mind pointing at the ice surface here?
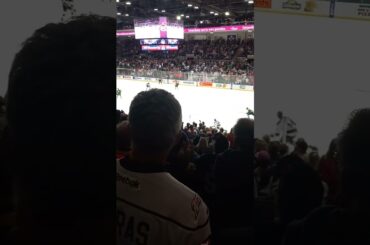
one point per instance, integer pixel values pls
(198, 103)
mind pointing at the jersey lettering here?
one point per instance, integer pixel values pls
(132, 230)
(129, 231)
(143, 230)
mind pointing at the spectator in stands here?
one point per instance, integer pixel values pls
(296, 186)
(329, 171)
(205, 170)
(234, 179)
(180, 162)
(207, 56)
(163, 210)
(300, 190)
(300, 149)
(349, 222)
(123, 139)
(263, 172)
(2, 115)
(55, 136)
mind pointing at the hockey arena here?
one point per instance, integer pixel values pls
(213, 70)
(196, 66)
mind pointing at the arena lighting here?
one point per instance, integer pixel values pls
(187, 17)
(163, 11)
(216, 14)
(117, 1)
(190, 5)
(127, 15)
(128, 3)
(182, 15)
(178, 17)
(211, 12)
(118, 13)
(155, 9)
(196, 7)
(201, 21)
(227, 13)
(251, 2)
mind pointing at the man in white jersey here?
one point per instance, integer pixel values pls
(152, 206)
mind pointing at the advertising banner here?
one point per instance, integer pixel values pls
(303, 7)
(205, 84)
(323, 8)
(267, 4)
(352, 11)
(219, 29)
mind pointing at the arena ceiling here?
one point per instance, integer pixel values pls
(127, 10)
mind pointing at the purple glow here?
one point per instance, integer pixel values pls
(126, 33)
(219, 29)
(199, 30)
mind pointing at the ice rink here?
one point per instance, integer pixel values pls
(198, 103)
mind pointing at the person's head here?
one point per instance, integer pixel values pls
(300, 190)
(263, 159)
(301, 146)
(221, 143)
(284, 150)
(314, 159)
(280, 114)
(333, 149)
(123, 139)
(68, 68)
(354, 157)
(2, 104)
(118, 116)
(202, 145)
(244, 133)
(274, 150)
(266, 138)
(260, 145)
(155, 121)
(72, 75)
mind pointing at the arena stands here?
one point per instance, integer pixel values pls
(293, 188)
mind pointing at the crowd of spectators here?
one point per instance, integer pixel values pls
(217, 57)
(279, 191)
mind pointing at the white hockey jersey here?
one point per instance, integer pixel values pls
(153, 208)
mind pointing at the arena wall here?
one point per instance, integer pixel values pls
(192, 83)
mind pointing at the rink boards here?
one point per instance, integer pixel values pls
(191, 83)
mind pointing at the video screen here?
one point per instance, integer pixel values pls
(159, 41)
(159, 47)
(161, 28)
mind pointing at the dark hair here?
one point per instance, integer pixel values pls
(68, 68)
(244, 133)
(221, 143)
(155, 120)
(123, 139)
(301, 146)
(65, 67)
(283, 150)
(274, 150)
(300, 190)
(333, 148)
(354, 145)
